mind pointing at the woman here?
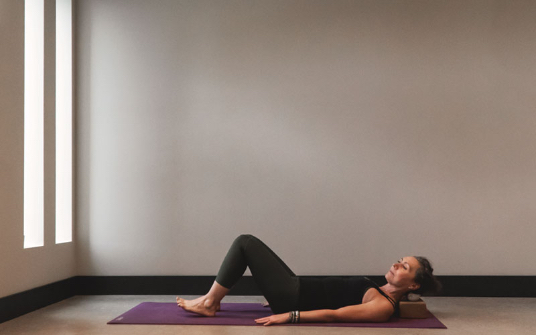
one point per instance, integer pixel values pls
(305, 299)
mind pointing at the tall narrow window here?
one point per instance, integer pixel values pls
(64, 120)
(33, 123)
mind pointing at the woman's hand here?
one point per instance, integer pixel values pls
(274, 319)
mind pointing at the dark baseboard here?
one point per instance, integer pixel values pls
(25, 302)
(158, 285)
(28, 301)
(489, 286)
(453, 286)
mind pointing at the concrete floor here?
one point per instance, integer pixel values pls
(89, 315)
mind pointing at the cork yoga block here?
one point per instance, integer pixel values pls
(413, 309)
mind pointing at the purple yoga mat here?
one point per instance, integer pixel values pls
(242, 314)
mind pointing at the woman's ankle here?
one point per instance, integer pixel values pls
(210, 303)
(217, 293)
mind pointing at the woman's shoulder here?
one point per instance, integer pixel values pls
(375, 293)
(372, 294)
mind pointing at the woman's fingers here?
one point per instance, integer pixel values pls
(264, 321)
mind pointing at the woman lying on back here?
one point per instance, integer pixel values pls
(305, 299)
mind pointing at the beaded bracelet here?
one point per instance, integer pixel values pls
(294, 316)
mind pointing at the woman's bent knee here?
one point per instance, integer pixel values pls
(244, 237)
(242, 240)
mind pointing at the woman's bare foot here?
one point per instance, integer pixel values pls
(197, 301)
(202, 306)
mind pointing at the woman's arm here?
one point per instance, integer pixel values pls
(373, 311)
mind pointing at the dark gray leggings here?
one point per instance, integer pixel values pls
(279, 285)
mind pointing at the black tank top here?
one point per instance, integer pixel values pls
(335, 292)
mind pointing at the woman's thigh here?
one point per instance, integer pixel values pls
(277, 282)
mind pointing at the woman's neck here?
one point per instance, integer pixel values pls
(393, 291)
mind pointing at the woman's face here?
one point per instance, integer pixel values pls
(402, 273)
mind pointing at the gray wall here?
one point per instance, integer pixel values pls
(346, 134)
(23, 269)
